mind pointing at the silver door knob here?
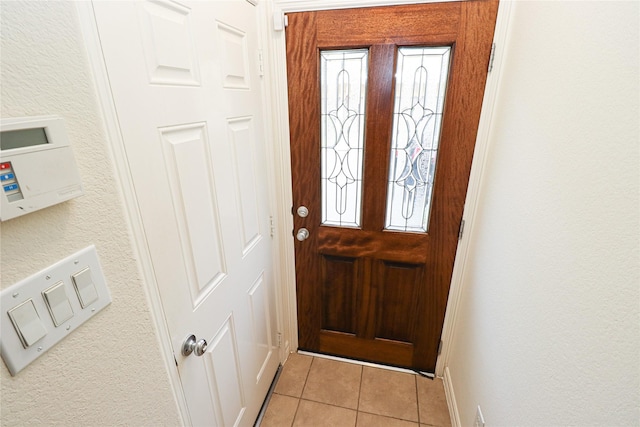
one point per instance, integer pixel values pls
(303, 211)
(302, 234)
(192, 346)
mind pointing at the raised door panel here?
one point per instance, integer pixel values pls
(398, 286)
(223, 371)
(261, 322)
(242, 139)
(235, 55)
(169, 48)
(187, 161)
(339, 293)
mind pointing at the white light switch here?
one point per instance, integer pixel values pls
(58, 303)
(27, 323)
(52, 289)
(85, 288)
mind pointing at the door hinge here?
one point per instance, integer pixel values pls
(260, 63)
(279, 339)
(272, 227)
(440, 348)
(461, 230)
(492, 56)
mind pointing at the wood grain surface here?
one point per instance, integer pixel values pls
(368, 293)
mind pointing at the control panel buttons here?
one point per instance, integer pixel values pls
(9, 182)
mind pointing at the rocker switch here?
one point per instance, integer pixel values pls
(58, 303)
(27, 323)
(86, 290)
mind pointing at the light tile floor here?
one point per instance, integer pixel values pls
(317, 392)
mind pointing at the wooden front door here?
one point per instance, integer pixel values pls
(384, 106)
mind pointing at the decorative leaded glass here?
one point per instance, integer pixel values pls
(421, 80)
(343, 79)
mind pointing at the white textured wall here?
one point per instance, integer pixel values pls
(548, 331)
(109, 371)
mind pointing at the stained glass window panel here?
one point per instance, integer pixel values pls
(343, 80)
(420, 86)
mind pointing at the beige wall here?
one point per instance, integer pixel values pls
(109, 371)
(548, 331)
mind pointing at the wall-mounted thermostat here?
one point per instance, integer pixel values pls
(37, 167)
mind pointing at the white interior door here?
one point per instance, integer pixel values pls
(185, 82)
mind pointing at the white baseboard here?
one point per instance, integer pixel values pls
(451, 399)
(285, 352)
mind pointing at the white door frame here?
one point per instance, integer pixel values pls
(275, 43)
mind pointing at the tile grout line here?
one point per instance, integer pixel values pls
(302, 392)
(358, 411)
(417, 399)
(359, 394)
(295, 413)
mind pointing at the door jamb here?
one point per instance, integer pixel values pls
(277, 82)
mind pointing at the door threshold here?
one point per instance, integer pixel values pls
(369, 364)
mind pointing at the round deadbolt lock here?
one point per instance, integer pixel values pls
(303, 211)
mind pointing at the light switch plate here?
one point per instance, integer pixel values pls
(15, 356)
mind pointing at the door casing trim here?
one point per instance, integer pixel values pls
(310, 5)
(277, 80)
